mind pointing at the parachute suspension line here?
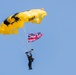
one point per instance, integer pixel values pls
(24, 29)
(21, 44)
(25, 34)
(29, 30)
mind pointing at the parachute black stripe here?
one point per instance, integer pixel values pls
(6, 22)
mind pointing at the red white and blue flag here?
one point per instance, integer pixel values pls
(34, 36)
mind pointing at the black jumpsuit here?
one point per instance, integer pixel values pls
(30, 59)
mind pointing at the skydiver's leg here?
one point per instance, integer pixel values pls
(30, 65)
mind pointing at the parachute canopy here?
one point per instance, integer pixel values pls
(34, 36)
(11, 24)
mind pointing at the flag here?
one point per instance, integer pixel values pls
(34, 36)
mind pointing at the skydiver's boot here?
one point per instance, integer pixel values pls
(30, 68)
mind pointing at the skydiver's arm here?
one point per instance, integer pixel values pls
(27, 54)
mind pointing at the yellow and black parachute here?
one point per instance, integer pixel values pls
(17, 20)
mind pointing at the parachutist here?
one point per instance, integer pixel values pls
(30, 59)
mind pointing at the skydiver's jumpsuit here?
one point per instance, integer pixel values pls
(30, 59)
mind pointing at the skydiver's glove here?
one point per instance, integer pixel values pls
(26, 52)
(32, 49)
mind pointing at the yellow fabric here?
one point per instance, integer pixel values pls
(34, 16)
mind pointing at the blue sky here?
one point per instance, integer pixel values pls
(54, 53)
